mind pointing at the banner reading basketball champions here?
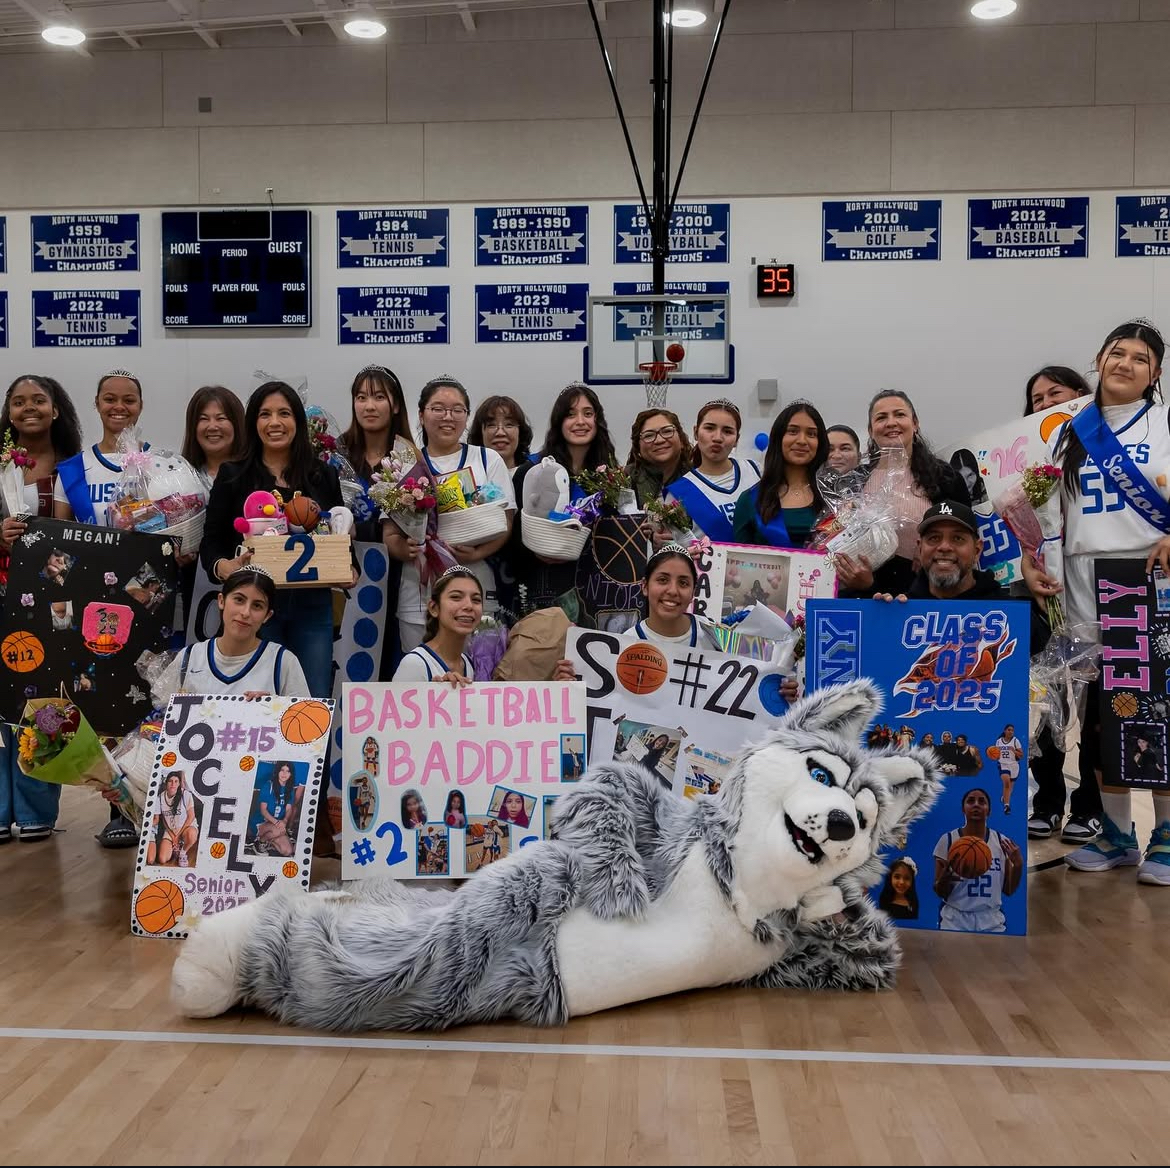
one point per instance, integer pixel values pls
(954, 676)
(441, 782)
(231, 809)
(684, 715)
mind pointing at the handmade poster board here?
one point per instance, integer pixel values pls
(734, 576)
(231, 808)
(83, 604)
(955, 679)
(684, 715)
(1133, 607)
(441, 782)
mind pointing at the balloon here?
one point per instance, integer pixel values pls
(761, 441)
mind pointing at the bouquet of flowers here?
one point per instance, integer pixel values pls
(862, 519)
(404, 497)
(13, 462)
(325, 440)
(486, 646)
(1031, 509)
(670, 515)
(609, 488)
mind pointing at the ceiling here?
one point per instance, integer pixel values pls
(136, 23)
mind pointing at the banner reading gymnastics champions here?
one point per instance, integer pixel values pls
(954, 677)
(440, 782)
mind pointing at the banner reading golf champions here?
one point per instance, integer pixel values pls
(954, 676)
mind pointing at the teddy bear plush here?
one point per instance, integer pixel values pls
(638, 894)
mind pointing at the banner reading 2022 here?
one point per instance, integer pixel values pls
(85, 318)
(383, 315)
(954, 676)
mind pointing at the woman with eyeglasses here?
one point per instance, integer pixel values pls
(444, 407)
(660, 453)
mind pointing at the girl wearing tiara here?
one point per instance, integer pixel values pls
(711, 490)
(453, 611)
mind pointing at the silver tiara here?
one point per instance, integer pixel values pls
(674, 549)
(259, 569)
(119, 373)
(445, 379)
(573, 387)
(457, 570)
(1146, 323)
(373, 369)
(719, 403)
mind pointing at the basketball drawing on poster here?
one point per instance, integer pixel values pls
(231, 808)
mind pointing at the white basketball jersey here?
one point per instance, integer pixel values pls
(202, 670)
(724, 492)
(981, 892)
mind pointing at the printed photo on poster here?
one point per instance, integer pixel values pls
(739, 576)
(654, 748)
(572, 756)
(363, 801)
(433, 857)
(277, 798)
(486, 841)
(173, 832)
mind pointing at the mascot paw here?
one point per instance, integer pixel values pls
(822, 903)
(203, 980)
(617, 891)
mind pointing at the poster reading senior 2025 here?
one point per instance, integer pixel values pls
(440, 782)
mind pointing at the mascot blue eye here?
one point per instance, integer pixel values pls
(820, 775)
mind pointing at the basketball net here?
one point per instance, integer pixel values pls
(656, 377)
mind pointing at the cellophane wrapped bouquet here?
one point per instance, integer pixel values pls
(158, 492)
(1031, 509)
(1059, 677)
(864, 518)
(14, 461)
(486, 646)
(609, 491)
(406, 495)
(325, 439)
(671, 517)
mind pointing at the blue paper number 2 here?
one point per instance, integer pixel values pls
(297, 573)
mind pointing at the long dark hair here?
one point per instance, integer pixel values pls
(728, 407)
(354, 439)
(600, 452)
(431, 625)
(176, 804)
(510, 408)
(230, 404)
(1062, 375)
(685, 454)
(886, 896)
(274, 783)
(65, 432)
(1070, 450)
(775, 472)
(301, 460)
(925, 468)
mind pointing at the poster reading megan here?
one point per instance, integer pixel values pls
(440, 782)
(231, 808)
(954, 676)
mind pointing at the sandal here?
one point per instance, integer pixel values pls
(118, 833)
(30, 835)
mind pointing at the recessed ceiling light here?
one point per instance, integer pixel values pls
(365, 25)
(62, 34)
(993, 9)
(687, 18)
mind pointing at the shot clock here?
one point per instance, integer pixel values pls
(775, 281)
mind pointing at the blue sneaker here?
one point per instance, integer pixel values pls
(1113, 849)
(1155, 867)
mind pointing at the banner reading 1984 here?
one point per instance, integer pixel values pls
(85, 243)
(88, 317)
(405, 237)
(881, 229)
(1028, 228)
(381, 315)
(531, 235)
(530, 312)
(700, 233)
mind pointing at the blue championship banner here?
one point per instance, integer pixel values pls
(530, 312)
(3, 244)
(393, 316)
(3, 320)
(954, 678)
(85, 243)
(682, 321)
(882, 229)
(700, 233)
(1143, 225)
(410, 237)
(86, 318)
(531, 235)
(1028, 228)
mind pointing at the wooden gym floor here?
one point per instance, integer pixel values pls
(1050, 1049)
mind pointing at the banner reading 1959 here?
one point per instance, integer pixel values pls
(1143, 225)
(683, 321)
(530, 312)
(1028, 228)
(85, 243)
(405, 237)
(700, 233)
(881, 229)
(382, 315)
(531, 235)
(86, 318)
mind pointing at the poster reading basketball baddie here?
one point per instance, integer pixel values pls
(682, 714)
(954, 679)
(231, 807)
(441, 782)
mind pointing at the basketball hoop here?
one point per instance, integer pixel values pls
(656, 377)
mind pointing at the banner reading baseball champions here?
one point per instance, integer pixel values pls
(954, 676)
(441, 782)
(231, 808)
(684, 714)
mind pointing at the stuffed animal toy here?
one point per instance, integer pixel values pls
(263, 515)
(639, 893)
(546, 490)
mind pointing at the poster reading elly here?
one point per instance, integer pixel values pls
(440, 782)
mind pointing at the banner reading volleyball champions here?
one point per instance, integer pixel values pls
(954, 676)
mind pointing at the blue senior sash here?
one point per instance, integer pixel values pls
(775, 531)
(711, 520)
(1114, 462)
(71, 474)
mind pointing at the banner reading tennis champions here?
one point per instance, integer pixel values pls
(954, 676)
(530, 312)
(443, 781)
(1143, 225)
(405, 237)
(683, 714)
(85, 318)
(85, 243)
(382, 315)
(231, 808)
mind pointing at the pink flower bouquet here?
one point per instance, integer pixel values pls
(1031, 509)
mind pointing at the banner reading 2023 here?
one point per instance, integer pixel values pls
(954, 677)
(530, 312)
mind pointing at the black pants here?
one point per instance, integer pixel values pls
(1048, 770)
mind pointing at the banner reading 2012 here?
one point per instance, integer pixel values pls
(954, 676)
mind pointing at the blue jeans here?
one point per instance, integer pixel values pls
(303, 623)
(24, 801)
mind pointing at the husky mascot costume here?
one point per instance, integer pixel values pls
(639, 893)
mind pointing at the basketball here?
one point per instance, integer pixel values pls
(170, 758)
(452, 820)
(218, 850)
(22, 652)
(993, 752)
(675, 352)
(159, 906)
(290, 868)
(475, 830)
(305, 722)
(641, 668)
(247, 762)
(302, 512)
(1124, 704)
(969, 857)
